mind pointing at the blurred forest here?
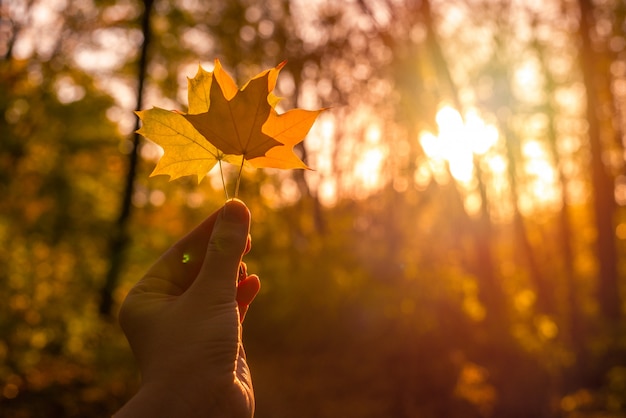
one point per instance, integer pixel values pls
(459, 250)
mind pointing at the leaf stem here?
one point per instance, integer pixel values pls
(223, 181)
(239, 178)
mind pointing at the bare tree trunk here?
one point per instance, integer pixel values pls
(603, 199)
(481, 231)
(543, 289)
(119, 238)
(575, 331)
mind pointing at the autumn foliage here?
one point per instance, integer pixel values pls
(223, 123)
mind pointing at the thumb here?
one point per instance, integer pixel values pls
(217, 280)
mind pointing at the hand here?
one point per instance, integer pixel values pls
(183, 323)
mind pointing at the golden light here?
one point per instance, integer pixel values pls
(542, 181)
(461, 142)
(369, 166)
(458, 142)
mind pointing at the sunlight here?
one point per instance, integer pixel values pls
(458, 139)
(368, 167)
(542, 185)
(327, 192)
(458, 142)
(527, 82)
(321, 149)
(354, 166)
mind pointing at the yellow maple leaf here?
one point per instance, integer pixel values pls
(186, 152)
(227, 123)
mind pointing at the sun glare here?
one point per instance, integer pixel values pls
(369, 167)
(461, 142)
(542, 184)
(457, 142)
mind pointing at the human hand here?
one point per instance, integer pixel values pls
(183, 323)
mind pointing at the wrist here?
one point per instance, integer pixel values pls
(160, 401)
(157, 400)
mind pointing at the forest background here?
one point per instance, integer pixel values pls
(457, 252)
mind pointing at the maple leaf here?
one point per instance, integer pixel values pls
(186, 152)
(234, 119)
(225, 123)
(289, 129)
(244, 121)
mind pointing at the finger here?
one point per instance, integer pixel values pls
(217, 278)
(246, 292)
(177, 268)
(247, 289)
(243, 272)
(248, 245)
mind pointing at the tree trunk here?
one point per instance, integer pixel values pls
(491, 293)
(575, 332)
(602, 181)
(119, 238)
(543, 289)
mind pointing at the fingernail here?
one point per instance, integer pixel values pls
(236, 211)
